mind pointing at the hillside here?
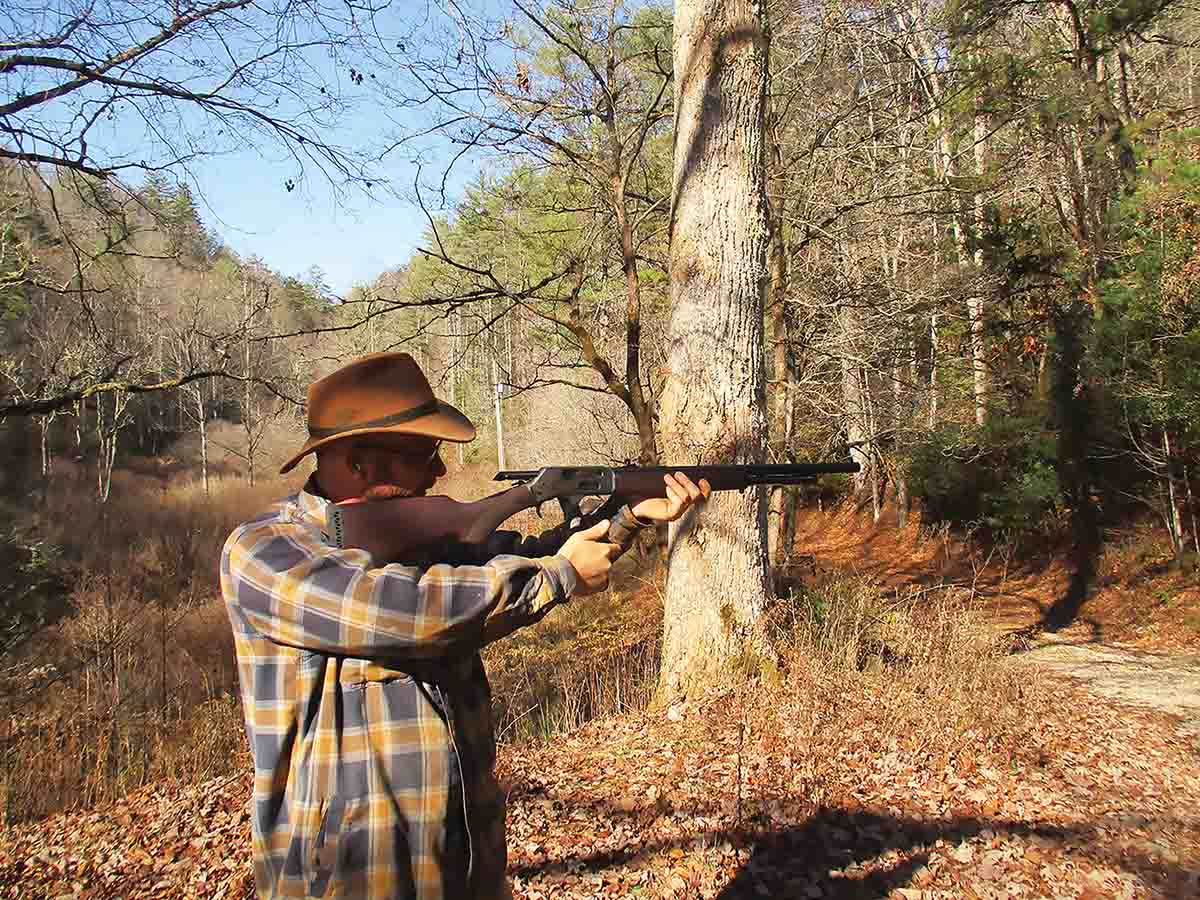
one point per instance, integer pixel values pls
(962, 772)
(1138, 600)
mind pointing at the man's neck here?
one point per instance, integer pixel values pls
(314, 487)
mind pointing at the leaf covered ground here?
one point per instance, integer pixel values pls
(794, 791)
(971, 776)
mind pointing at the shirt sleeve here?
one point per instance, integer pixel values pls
(622, 530)
(296, 589)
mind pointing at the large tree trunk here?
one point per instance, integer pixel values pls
(713, 407)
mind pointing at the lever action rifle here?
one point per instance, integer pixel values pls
(388, 529)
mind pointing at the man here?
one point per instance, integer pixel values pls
(367, 706)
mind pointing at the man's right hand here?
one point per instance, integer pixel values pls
(591, 555)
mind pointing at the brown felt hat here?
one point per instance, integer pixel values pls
(383, 392)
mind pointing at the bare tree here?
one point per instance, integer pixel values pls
(96, 94)
(578, 94)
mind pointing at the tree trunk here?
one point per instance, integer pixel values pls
(247, 401)
(642, 415)
(903, 371)
(1191, 501)
(1073, 422)
(497, 392)
(1174, 520)
(854, 404)
(44, 422)
(713, 407)
(455, 363)
(202, 418)
(933, 370)
(975, 308)
(780, 392)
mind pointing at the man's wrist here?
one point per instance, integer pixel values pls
(561, 574)
(633, 520)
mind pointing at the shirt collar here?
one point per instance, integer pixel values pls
(313, 504)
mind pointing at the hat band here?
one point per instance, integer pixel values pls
(405, 415)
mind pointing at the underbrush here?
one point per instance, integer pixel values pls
(871, 674)
(135, 681)
(597, 656)
(916, 661)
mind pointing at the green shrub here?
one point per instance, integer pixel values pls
(33, 591)
(1001, 477)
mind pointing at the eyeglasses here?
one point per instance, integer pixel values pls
(416, 452)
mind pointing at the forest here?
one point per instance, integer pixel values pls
(977, 275)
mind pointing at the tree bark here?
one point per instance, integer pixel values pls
(781, 507)
(202, 418)
(1174, 519)
(975, 302)
(1073, 409)
(248, 397)
(713, 406)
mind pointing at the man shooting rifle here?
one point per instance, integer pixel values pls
(367, 706)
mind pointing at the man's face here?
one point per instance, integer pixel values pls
(396, 465)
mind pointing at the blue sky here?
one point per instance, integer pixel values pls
(314, 82)
(336, 79)
(353, 240)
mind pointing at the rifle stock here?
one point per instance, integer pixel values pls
(388, 529)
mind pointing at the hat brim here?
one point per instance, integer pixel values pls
(447, 423)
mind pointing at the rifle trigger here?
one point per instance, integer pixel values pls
(570, 508)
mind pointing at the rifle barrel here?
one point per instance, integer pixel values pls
(721, 477)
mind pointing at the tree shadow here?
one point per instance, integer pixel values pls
(1065, 610)
(833, 839)
(820, 856)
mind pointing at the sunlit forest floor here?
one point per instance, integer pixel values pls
(852, 795)
(925, 754)
(1138, 599)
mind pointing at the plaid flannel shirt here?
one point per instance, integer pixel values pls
(367, 706)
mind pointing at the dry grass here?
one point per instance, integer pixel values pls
(923, 649)
(138, 684)
(595, 657)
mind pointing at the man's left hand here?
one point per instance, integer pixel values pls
(682, 494)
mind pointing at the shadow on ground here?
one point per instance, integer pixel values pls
(841, 854)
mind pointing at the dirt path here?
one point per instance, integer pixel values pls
(1162, 681)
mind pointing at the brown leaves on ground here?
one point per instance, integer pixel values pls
(1138, 597)
(805, 791)
(159, 842)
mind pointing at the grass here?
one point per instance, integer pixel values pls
(137, 683)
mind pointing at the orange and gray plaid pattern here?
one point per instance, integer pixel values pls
(367, 707)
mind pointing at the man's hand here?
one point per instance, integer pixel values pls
(591, 555)
(681, 495)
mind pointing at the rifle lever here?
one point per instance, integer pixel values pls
(570, 509)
